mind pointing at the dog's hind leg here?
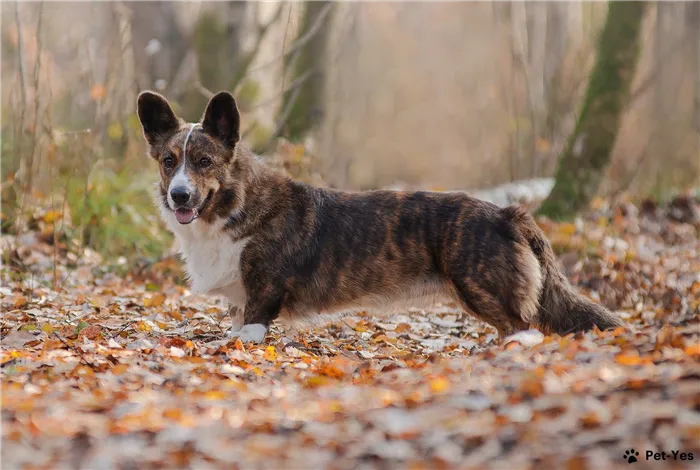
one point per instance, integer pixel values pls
(487, 307)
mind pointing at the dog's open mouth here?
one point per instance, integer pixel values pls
(185, 216)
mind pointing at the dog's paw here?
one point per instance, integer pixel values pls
(253, 333)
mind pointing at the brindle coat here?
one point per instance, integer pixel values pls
(298, 251)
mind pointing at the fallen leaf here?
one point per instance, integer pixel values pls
(439, 385)
(155, 300)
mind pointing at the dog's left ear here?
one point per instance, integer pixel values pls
(221, 119)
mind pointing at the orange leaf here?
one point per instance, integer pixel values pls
(629, 360)
(82, 371)
(215, 395)
(316, 381)
(174, 314)
(439, 385)
(542, 145)
(98, 92)
(361, 326)
(154, 301)
(51, 216)
(567, 228)
(270, 354)
(90, 332)
(336, 368)
(177, 342)
(119, 369)
(173, 413)
(532, 386)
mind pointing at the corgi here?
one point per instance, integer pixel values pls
(277, 248)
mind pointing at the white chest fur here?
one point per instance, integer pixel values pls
(213, 258)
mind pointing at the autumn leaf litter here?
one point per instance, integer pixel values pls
(126, 370)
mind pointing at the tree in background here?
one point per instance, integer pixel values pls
(159, 43)
(693, 23)
(304, 103)
(583, 163)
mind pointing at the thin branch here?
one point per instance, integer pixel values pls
(37, 95)
(262, 27)
(22, 116)
(24, 98)
(299, 43)
(204, 91)
(651, 78)
(292, 86)
(75, 350)
(20, 57)
(261, 32)
(284, 44)
(128, 324)
(283, 119)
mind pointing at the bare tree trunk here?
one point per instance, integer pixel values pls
(693, 24)
(348, 40)
(236, 15)
(216, 53)
(306, 104)
(25, 170)
(159, 45)
(539, 51)
(583, 163)
(665, 96)
(556, 101)
(574, 22)
(536, 47)
(556, 41)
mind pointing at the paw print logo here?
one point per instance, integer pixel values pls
(631, 456)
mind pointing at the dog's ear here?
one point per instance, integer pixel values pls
(157, 117)
(221, 119)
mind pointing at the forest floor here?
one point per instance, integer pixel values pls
(126, 370)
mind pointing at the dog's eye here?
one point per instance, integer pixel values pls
(168, 162)
(204, 162)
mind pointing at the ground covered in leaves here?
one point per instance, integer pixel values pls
(127, 370)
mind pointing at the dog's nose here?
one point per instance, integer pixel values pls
(180, 195)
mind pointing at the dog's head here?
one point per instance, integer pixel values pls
(195, 159)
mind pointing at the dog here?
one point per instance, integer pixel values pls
(279, 248)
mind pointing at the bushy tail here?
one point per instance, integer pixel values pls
(561, 309)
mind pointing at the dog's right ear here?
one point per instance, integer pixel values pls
(157, 117)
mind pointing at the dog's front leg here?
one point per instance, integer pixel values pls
(236, 314)
(260, 311)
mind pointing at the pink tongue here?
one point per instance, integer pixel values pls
(184, 216)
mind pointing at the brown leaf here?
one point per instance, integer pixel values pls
(155, 300)
(90, 332)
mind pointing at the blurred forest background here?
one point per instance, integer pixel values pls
(351, 95)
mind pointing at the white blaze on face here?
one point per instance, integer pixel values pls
(180, 180)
